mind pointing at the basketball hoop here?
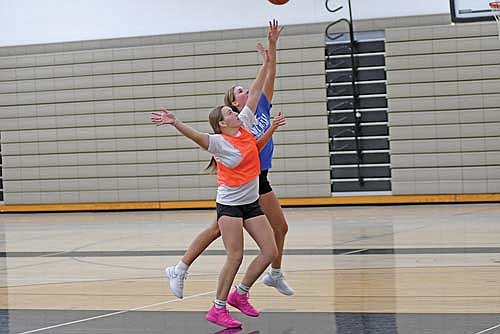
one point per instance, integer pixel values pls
(495, 10)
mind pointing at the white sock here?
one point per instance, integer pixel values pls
(242, 289)
(219, 303)
(181, 266)
(275, 272)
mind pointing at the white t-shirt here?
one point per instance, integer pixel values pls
(225, 153)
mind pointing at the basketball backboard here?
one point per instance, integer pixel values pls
(470, 10)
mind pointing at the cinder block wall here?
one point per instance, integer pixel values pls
(74, 117)
(444, 108)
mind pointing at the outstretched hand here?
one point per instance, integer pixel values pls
(263, 52)
(274, 31)
(278, 121)
(163, 117)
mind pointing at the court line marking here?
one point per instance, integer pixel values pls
(355, 251)
(488, 329)
(115, 313)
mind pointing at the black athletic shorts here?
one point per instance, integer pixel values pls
(264, 185)
(245, 211)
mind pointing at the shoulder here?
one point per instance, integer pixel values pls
(246, 111)
(214, 141)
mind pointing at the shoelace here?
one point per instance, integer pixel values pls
(244, 301)
(225, 316)
(183, 275)
(280, 276)
(280, 281)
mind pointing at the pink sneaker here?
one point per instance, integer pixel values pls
(241, 303)
(222, 318)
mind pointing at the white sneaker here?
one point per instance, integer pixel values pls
(278, 282)
(176, 280)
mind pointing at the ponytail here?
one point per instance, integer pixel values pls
(212, 166)
(214, 117)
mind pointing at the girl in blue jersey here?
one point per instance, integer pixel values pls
(237, 97)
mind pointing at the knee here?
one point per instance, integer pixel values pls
(284, 228)
(214, 231)
(270, 253)
(235, 257)
(281, 228)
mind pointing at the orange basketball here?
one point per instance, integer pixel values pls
(278, 2)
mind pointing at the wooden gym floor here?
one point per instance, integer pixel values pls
(358, 269)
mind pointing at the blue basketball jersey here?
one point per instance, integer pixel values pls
(263, 115)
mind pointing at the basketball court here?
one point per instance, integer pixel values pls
(362, 269)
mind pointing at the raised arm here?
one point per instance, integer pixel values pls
(166, 117)
(275, 124)
(258, 83)
(272, 36)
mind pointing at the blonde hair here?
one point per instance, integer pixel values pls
(214, 117)
(229, 96)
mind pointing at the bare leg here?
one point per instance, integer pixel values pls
(201, 242)
(260, 230)
(270, 204)
(231, 229)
